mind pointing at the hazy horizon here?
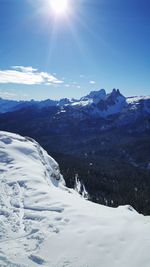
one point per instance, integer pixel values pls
(7, 97)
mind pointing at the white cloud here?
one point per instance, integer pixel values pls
(24, 69)
(67, 85)
(13, 96)
(7, 95)
(92, 82)
(27, 76)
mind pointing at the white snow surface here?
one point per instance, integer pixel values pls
(136, 99)
(82, 103)
(43, 223)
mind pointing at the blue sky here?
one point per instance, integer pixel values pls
(97, 44)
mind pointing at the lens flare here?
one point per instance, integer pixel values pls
(59, 7)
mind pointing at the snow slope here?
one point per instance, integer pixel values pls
(136, 99)
(43, 223)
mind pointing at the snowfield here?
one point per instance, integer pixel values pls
(43, 223)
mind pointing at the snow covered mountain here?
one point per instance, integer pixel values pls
(95, 104)
(42, 222)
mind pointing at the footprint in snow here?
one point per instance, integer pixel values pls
(37, 259)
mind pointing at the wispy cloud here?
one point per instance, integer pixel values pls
(27, 76)
(67, 85)
(13, 96)
(72, 85)
(92, 82)
(7, 95)
(24, 69)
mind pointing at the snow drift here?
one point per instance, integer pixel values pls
(43, 223)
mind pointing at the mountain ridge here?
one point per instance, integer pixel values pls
(109, 137)
(101, 103)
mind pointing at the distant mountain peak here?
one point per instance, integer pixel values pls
(96, 103)
(95, 95)
(116, 91)
(115, 94)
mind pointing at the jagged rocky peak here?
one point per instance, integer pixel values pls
(102, 95)
(115, 95)
(64, 101)
(95, 95)
(116, 92)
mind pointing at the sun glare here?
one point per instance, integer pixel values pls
(59, 7)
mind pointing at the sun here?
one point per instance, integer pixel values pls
(59, 7)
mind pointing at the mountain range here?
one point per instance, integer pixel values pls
(102, 138)
(96, 103)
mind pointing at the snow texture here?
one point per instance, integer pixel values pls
(43, 223)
